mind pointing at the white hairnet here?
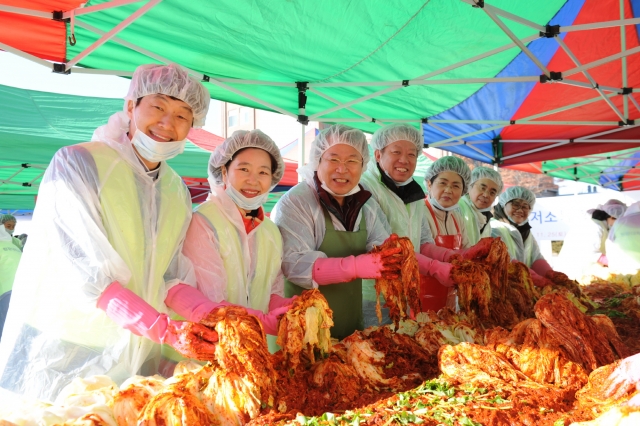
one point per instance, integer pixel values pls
(391, 133)
(482, 172)
(517, 193)
(614, 208)
(241, 139)
(450, 164)
(171, 80)
(334, 135)
(7, 218)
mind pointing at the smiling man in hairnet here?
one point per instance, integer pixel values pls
(89, 296)
(583, 255)
(329, 224)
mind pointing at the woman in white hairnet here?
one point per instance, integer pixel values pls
(329, 223)
(235, 249)
(511, 223)
(583, 255)
(623, 242)
(475, 207)
(90, 293)
(8, 222)
(390, 181)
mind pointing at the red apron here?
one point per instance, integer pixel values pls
(433, 295)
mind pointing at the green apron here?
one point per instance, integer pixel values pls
(345, 299)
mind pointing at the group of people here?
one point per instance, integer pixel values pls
(121, 271)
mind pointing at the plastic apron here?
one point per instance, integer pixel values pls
(433, 295)
(242, 289)
(345, 299)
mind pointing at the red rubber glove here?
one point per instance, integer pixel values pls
(539, 281)
(435, 252)
(478, 251)
(278, 301)
(132, 313)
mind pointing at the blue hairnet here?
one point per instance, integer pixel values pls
(7, 218)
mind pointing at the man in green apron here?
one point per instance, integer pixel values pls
(329, 223)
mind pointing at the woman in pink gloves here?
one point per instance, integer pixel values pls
(91, 295)
(329, 223)
(235, 249)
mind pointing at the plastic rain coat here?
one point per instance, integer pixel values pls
(100, 218)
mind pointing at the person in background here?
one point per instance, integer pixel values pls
(9, 221)
(511, 223)
(330, 223)
(92, 295)
(475, 207)
(390, 181)
(623, 242)
(235, 249)
(584, 255)
(9, 260)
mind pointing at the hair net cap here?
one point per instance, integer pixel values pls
(517, 193)
(614, 208)
(7, 218)
(241, 139)
(335, 135)
(391, 133)
(482, 172)
(450, 164)
(171, 80)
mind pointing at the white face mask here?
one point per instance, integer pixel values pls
(406, 182)
(10, 231)
(244, 202)
(484, 210)
(353, 191)
(155, 151)
(437, 205)
(513, 221)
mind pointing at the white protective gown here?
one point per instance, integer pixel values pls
(99, 218)
(623, 244)
(526, 252)
(299, 216)
(230, 264)
(581, 249)
(474, 220)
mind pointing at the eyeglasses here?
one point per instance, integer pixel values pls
(520, 206)
(350, 164)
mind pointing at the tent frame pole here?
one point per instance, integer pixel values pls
(97, 8)
(121, 26)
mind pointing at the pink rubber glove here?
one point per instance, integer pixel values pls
(190, 303)
(278, 301)
(269, 321)
(603, 260)
(436, 269)
(541, 267)
(334, 270)
(539, 281)
(435, 252)
(132, 313)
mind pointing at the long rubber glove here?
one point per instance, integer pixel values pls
(436, 269)
(334, 270)
(603, 260)
(435, 252)
(478, 251)
(132, 313)
(541, 267)
(190, 303)
(538, 280)
(276, 301)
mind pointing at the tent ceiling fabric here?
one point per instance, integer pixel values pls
(467, 71)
